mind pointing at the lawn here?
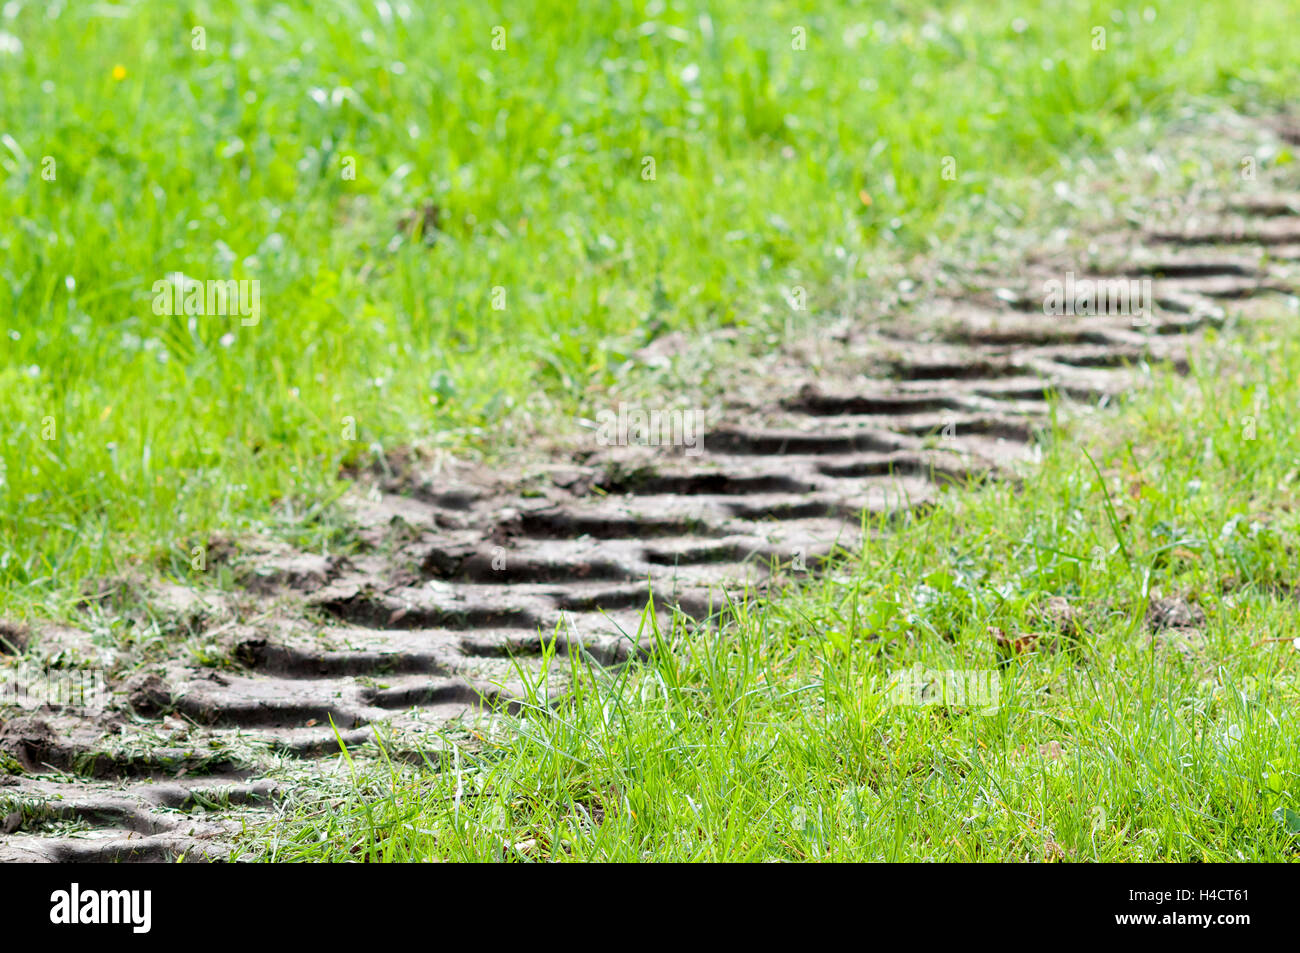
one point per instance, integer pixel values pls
(462, 217)
(449, 228)
(1131, 608)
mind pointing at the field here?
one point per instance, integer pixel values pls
(266, 265)
(1121, 735)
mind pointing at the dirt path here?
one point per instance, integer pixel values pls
(461, 571)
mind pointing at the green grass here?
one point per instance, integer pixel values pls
(773, 735)
(127, 436)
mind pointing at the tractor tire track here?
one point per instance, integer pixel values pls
(463, 578)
